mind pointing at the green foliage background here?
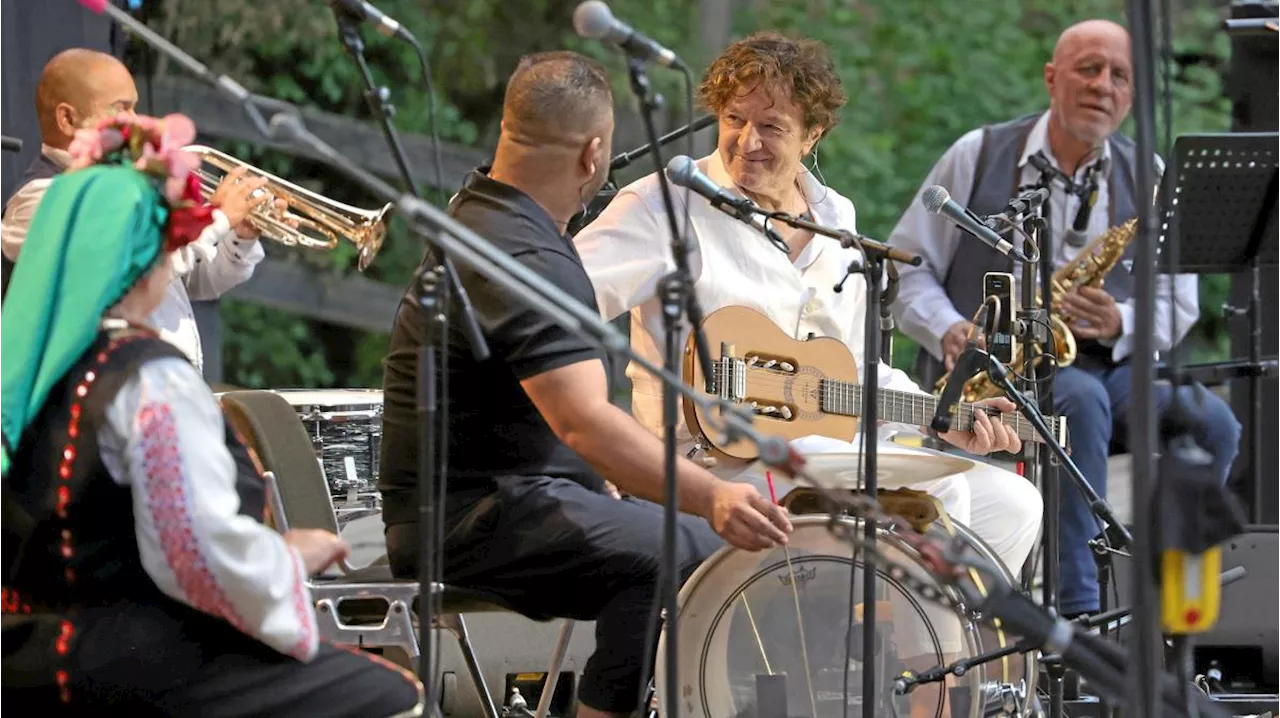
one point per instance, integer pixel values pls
(919, 74)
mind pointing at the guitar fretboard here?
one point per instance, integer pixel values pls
(846, 398)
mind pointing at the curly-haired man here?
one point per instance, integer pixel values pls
(776, 98)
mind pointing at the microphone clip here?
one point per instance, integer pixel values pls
(971, 361)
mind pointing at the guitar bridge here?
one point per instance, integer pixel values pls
(731, 379)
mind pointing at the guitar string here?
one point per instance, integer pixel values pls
(835, 390)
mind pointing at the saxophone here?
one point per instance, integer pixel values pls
(1088, 269)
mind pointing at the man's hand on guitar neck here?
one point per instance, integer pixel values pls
(987, 435)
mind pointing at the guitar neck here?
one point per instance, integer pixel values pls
(901, 407)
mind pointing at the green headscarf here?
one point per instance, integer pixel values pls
(95, 233)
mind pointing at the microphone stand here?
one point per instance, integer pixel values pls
(887, 299)
(996, 370)
(437, 285)
(875, 255)
(1040, 466)
(624, 159)
(678, 300)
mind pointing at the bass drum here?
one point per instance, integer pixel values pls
(764, 625)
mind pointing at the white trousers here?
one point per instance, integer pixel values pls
(1004, 510)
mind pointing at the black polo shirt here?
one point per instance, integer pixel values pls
(494, 428)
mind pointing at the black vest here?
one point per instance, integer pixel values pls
(41, 168)
(74, 544)
(996, 180)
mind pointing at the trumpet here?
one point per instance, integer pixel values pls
(321, 222)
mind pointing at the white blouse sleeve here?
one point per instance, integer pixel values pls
(218, 261)
(164, 437)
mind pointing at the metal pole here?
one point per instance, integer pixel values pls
(1142, 430)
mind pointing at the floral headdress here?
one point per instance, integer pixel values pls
(129, 197)
(154, 146)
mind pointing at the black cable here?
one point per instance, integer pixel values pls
(431, 118)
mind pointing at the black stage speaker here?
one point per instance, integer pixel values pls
(1251, 85)
(1244, 641)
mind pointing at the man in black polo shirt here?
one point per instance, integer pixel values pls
(532, 435)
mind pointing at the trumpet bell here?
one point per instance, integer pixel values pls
(308, 219)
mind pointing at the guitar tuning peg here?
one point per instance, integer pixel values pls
(786, 413)
(786, 367)
(769, 364)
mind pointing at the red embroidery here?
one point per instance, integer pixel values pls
(63, 644)
(166, 498)
(11, 602)
(64, 692)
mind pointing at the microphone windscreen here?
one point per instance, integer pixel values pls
(680, 170)
(934, 198)
(593, 20)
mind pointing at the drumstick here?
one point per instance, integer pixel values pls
(795, 595)
(773, 495)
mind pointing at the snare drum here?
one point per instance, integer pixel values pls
(345, 426)
(779, 622)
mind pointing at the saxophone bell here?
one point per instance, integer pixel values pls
(1088, 269)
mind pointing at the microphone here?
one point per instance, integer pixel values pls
(967, 364)
(1076, 235)
(594, 21)
(684, 172)
(364, 11)
(938, 201)
(1027, 202)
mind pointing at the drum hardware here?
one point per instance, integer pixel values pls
(717, 630)
(345, 426)
(916, 507)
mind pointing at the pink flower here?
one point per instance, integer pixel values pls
(89, 146)
(154, 147)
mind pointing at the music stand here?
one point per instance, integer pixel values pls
(1223, 219)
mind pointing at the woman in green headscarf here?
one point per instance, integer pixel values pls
(137, 573)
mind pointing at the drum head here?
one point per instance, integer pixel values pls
(756, 626)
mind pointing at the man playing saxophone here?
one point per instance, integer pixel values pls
(78, 88)
(1074, 145)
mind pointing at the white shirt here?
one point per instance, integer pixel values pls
(203, 270)
(164, 437)
(22, 205)
(209, 267)
(923, 310)
(627, 250)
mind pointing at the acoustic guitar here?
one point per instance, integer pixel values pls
(802, 388)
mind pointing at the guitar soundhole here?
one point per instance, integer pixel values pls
(804, 392)
(772, 362)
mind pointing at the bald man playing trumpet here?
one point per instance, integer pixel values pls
(78, 88)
